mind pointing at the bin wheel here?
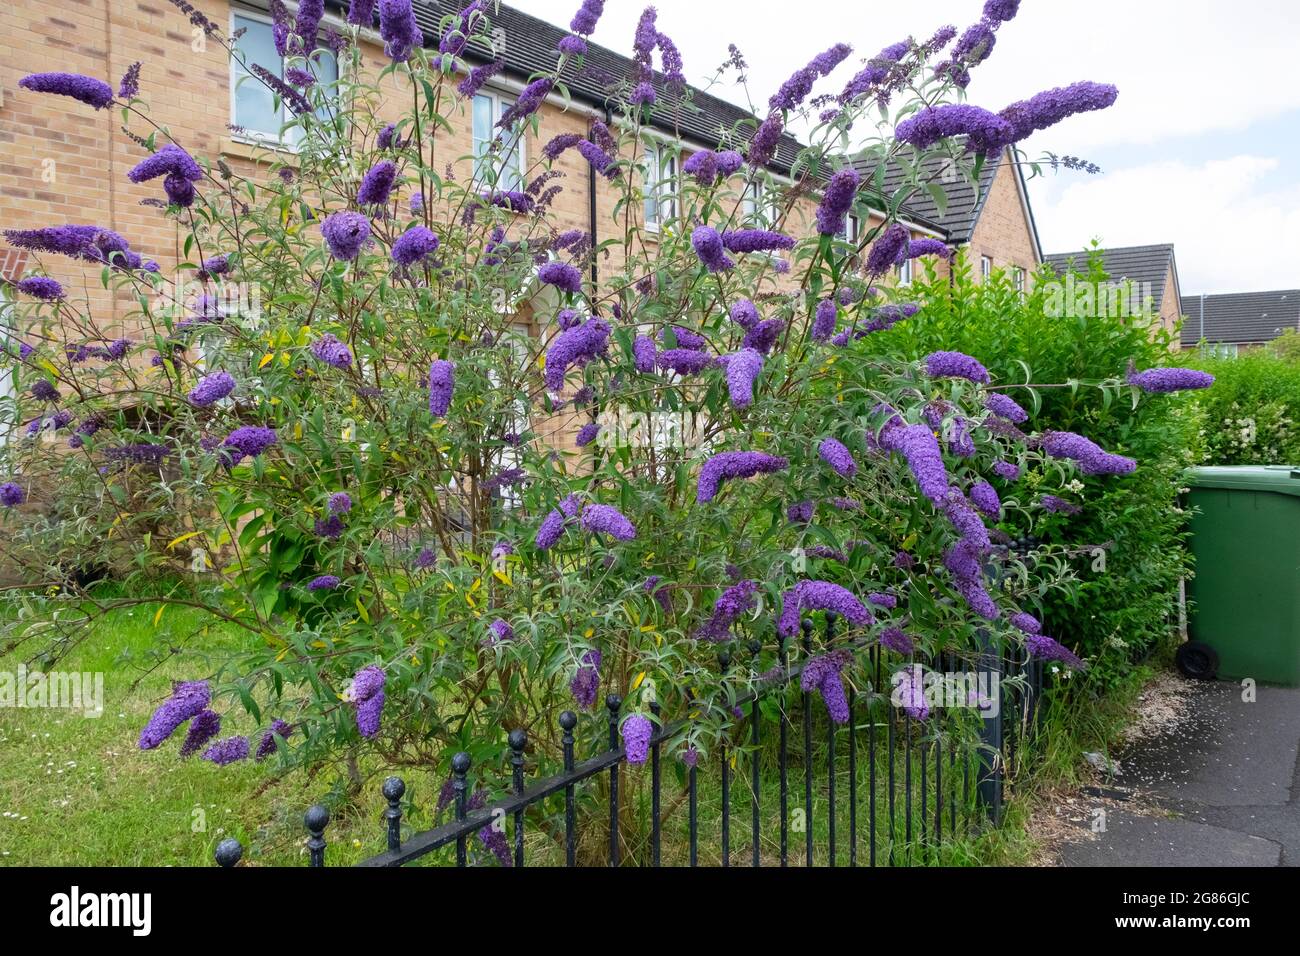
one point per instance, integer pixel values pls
(1197, 661)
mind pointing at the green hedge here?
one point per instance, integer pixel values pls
(1252, 414)
(1116, 613)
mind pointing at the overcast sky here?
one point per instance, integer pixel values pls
(1202, 149)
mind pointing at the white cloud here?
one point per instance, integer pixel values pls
(1182, 66)
(1233, 230)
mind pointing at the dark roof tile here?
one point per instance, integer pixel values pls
(1243, 318)
(1146, 265)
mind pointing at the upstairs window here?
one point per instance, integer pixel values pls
(986, 266)
(660, 185)
(1018, 278)
(499, 152)
(252, 105)
(852, 230)
(760, 207)
(906, 272)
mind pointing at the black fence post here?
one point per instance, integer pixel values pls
(317, 819)
(569, 720)
(460, 763)
(229, 852)
(988, 785)
(518, 741)
(394, 788)
(613, 702)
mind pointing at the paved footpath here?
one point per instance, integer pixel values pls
(1227, 779)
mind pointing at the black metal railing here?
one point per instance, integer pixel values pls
(942, 779)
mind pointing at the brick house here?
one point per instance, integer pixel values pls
(1233, 321)
(64, 163)
(1145, 277)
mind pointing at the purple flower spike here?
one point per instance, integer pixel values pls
(834, 453)
(331, 351)
(1160, 380)
(837, 201)
(734, 464)
(585, 684)
(561, 275)
(12, 495)
(742, 369)
(188, 699)
(820, 596)
(326, 582)
(823, 674)
(707, 244)
(41, 287)
(85, 89)
(1006, 407)
(955, 365)
(581, 343)
(228, 751)
(212, 388)
(441, 385)
(345, 233)
(205, 725)
(893, 638)
(1044, 648)
(267, 745)
(607, 519)
(636, 732)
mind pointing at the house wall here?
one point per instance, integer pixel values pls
(1003, 232)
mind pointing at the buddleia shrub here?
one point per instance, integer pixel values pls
(354, 428)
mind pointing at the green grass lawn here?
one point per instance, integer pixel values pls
(76, 790)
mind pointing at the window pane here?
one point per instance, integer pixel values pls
(652, 160)
(254, 104)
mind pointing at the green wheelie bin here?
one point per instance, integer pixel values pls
(1245, 535)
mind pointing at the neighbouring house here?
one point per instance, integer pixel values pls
(65, 163)
(1232, 321)
(1141, 278)
(992, 219)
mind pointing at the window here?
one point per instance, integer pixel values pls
(1018, 278)
(8, 416)
(852, 230)
(986, 266)
(760, 207)
(252, 105)
(660, 185)
(906, 271)
(1222, 350)
(491, 142)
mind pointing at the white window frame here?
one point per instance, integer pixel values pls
(1018, 278)
(8, 376)
(759, 206)
(906, 271)
(501, 101)
(272, 138)
(661, 167)
(852, 230)
(986, 266)
(1222, 350)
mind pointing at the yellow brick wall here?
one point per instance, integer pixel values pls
(1002, 232)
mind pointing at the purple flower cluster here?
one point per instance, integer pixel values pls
(367, 694)
(1044, 648)
(442, 383)
(326, 582)
(733, 602)
(1058, 506)
(585, 684)
(345, 233)
(1051, 106)
(636, 731)
(377, 184)
(248, 441)
(90, 243)
(893, 639)
(955, 365)
(755, 240)
(561, 275)
(819, 596)
(727, 465)
(836, 454)
(889, 250)
(742, 370)
(823, 674)
(331, 351)
(399, 29)
(909, 692)
(683, 361)
(710, 167)
(266, 746)
(985, 132)
(41, 287)
(188, 699)
(606, 519)
(205, 725)
(228, 751)
(917, 444)
(579, 344)
(212, 388)
(796, 89)
(85, 89)
(1092, 460)
(1007, 470)
(478, 76)
(763, 336)
(1006, 407)
(836, 202)
(12, 495)
(986, 499)
(823, 325)
(708, 245)
(587, 434)
(1159, 380)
